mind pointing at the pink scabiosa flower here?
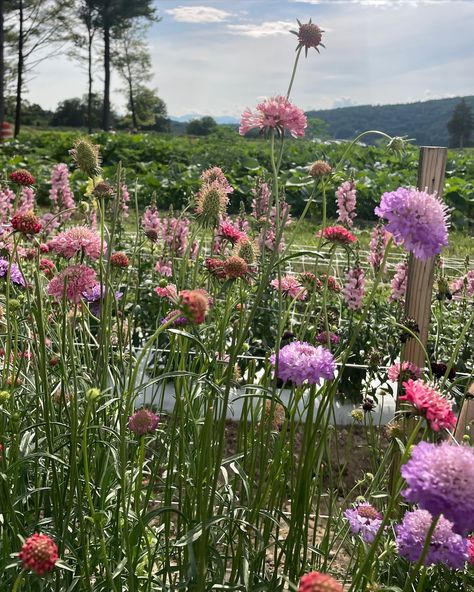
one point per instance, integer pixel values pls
(72, 282)
(327, 336)
(440, 479)
(337, 234)
(211, 203)
(430, 403)
(47, 267)
(143, 422)
(301, 362)
(316, 581)
(365, 520)
(445, 547)
(194, 304)
(331, 283)
(22, 177)
(39, 554)
(408, 371)
(378, 242)
(289, 286)
(26, 223)
(276, 113)
(417, 219)
(229, 232)
(169, 291)
(216, 174)
(309, 35)
(346, 203)
(77, 240)
(354, 288)
(398, 284)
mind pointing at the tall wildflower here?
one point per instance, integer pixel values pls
(151, 223)
(61, 194)
(346, 195)
(378, 242)
(27, 200)
(399, 282)
(86, 157)
(354, 288)
(309, 36)
(124, 200)
(7, 199)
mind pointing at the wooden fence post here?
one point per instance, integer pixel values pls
(431, 169)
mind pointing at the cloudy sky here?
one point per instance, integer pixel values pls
(218, 56)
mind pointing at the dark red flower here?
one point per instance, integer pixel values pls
(119, 260)
(26, 223)
(39, 554)
(22, 177)
(337, 234)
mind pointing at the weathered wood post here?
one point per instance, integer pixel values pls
(465, 424)
(431, 170)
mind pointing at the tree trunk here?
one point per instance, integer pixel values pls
(106, 112)
(89, 89)
(2, 63)
(19, 84)
(130, 91)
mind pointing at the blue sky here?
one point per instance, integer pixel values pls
(218, 56)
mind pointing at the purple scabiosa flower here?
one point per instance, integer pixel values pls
(94, 297)
(378, 242)
(399, 283)
(417, 219)
(365, 520)
(446, 546)
(354, 288)
(179, 321)
(440, 479)
(16, 277)
(346, 203)
(143, 422)
(299, 362)
(326, 336)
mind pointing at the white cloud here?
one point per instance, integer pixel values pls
(198, 14)
(380, 3)
(267, 29)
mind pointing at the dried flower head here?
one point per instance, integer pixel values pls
(103, 189)
(309, 35)
(39, 554)
(235, 267)
(211, 203)
(320, 168)
(246, 249)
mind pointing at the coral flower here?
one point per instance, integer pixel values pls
(316, 581)
(26, 223)
(72, 282)
(143, 422)
(119, 260)
(229, 232)
(194, 304)
(337, 234)
(22, 177)
(77, 240)
(215, 268)
(47, 267)
(417, 219)
(276, 113)
(39, 553)
(430, 403)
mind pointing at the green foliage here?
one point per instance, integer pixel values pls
(201, 127)
(460, 125)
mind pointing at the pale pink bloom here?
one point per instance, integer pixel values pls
(124, 200)
(170, 291)
(275, 113)
(399, 283)
(72, 282)
(27, 200)
(164, 268)
(77, 240)
(463, 283)
(354, 288)
(7, 199)
(409, 370)
(346, 203)
(290, 286)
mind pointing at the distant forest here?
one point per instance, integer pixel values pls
(425, 121)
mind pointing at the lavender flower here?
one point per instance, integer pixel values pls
(16, 277)
(299, 362)
(445, 546)
(365, 520)
(417, 219)
(440, 479)
(94, 298)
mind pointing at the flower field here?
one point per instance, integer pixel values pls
(170, 380)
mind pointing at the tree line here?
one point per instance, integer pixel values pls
(101, 35)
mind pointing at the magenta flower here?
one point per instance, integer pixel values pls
(409, 370)
(72, 282)
(446, 547)
(346, 203)
(398, 284)
(143, 422)
(440, 479)
(299, 362)
(354, 288)
(365, 520)
(430, 403)
(417, 219)
(276, 113)
(289, 286)
(77, 241)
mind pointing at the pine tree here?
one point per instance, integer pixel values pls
(461, 125)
